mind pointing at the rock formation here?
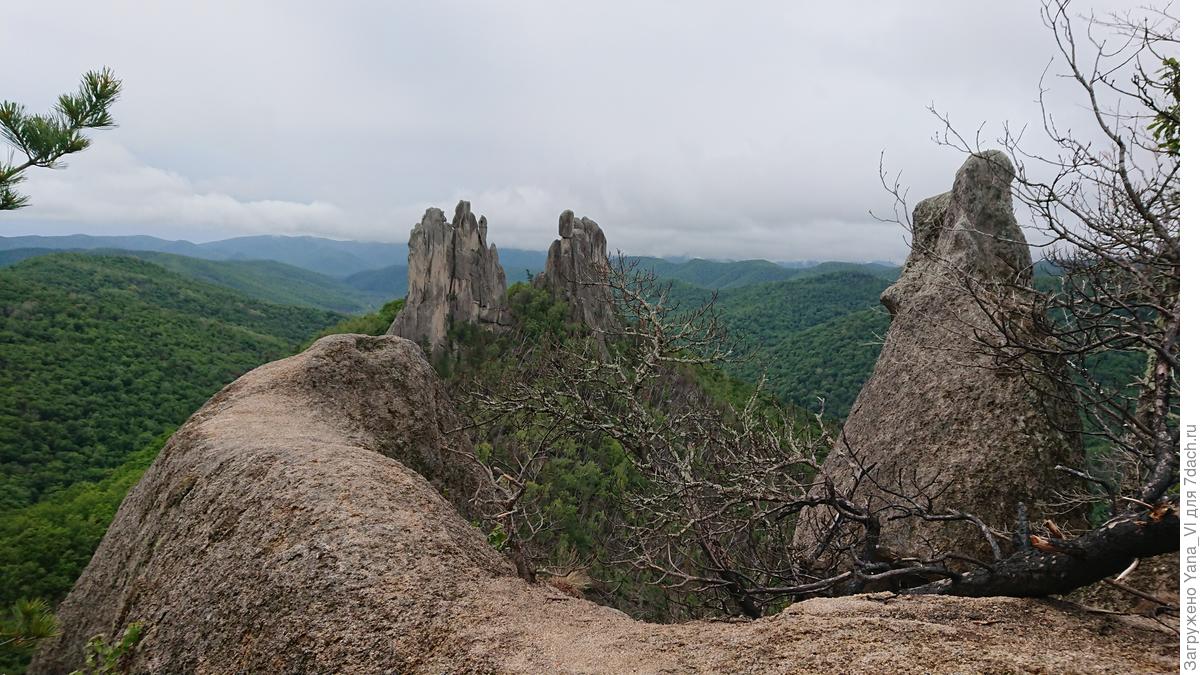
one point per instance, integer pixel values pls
(575, 262)
(287, 527)
(453, 276)
(937, 411)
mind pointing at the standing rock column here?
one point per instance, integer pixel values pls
(940, 413)
(576, 267)
(453, 276)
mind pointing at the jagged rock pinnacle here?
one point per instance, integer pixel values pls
(576, 266)
(453, 276)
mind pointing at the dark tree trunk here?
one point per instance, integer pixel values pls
(1055, 566)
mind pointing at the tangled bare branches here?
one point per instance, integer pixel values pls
(711, 512)
(711, 518)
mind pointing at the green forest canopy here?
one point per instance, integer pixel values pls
(102, 354)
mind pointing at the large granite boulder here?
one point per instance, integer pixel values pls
(941, 416)
(454, 276)
(287, 528)
(577, 268)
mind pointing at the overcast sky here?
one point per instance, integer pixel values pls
(714, 129)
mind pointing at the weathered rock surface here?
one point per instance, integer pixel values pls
(283, 529)
(575, 263)
(453, 276)
(937, 411)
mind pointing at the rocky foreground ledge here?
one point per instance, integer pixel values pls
(287, 527)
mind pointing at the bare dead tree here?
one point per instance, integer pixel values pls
(502, 497)
(713, 515)
(721, 487)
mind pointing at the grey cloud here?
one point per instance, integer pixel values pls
(707, 128)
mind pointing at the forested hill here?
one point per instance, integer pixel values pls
(331, 257)
(823, 365)
(765, 313)
(102, 353)
(270, 281)
(815, 338)
(266, 280)
(99, 355)
(722, 275)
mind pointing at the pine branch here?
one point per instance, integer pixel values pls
(45, 139)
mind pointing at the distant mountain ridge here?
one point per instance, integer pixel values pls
(813, 328)
(331, 257)
(720, 275)
(380, 269)
(266, 280)
(391, 280)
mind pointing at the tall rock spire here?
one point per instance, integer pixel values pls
(576, 268)
(939, 413)
(453, 276)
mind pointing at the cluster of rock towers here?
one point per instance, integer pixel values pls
(454, 276)
(937, 415)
